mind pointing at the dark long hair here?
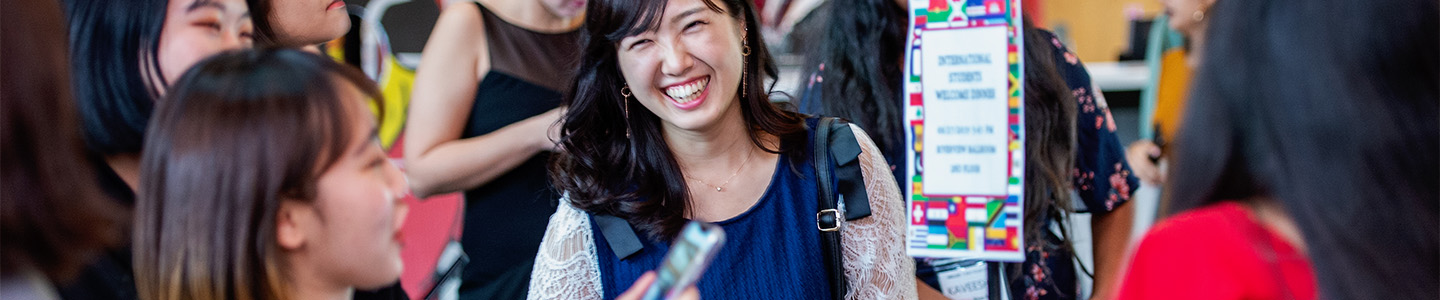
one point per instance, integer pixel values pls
(862, 46)
(49, 221)
(1339, 122)
(264, 35)
(604, 172)
(113, 51)
(1049, 140)
(240, 133)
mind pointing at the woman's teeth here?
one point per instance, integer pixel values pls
(687, 92)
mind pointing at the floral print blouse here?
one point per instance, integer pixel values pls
(1101, 177)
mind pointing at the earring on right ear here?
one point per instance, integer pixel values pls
(625, 96)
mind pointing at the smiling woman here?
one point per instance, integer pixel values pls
(670, 121)
(125, 54)
(199, 28)
(263, 179)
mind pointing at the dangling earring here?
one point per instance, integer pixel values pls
(625, 96)
(745, 66)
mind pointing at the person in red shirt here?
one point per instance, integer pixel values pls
(1223, 251)
(1310, 160)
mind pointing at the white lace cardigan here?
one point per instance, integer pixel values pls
(876, 266)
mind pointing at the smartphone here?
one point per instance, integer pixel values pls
(689, 256)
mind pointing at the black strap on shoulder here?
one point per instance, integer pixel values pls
(845, 149)
(619, 235)
(829, 218)
(835, 146)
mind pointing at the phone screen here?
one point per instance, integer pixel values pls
(689, 256)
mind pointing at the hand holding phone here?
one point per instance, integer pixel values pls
(689, 256)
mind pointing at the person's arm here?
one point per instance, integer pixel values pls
(876, 265)
(437, 160)
(925, 292)
(1111, 233)
(566, 266)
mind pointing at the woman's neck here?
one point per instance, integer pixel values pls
(533, 15)
(322, 294)
(716, 149)
(725, 172)
(1195, 53)
(305, 283)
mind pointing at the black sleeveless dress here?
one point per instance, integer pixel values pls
(505, 219)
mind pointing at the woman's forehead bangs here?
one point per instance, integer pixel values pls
(633, 17)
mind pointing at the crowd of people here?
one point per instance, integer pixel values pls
(203, 149)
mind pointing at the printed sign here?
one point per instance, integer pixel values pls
(965, 129)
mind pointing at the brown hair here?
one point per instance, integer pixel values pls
(595, 146)
(240, 133)
(52, 216)
(1050, 141)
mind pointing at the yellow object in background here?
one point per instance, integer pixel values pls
(396, 82)
(1172, 93)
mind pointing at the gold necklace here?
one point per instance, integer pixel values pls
(721, 187)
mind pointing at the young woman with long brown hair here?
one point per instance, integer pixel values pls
(671, 121)
(263, 179)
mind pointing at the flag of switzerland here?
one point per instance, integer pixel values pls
(917, 213)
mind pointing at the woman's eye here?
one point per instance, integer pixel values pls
(694, 24)
(210, 25)
(638, 44)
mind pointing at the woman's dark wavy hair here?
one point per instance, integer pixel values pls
(264, 32)
(240, 133)
(1049, 141)
(862, 45)
(1338, 121)
(113, 52)
(604, 172)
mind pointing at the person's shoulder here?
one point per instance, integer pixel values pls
(1198, 254)
(461, 16)
(1213, 231)
(1203, 220)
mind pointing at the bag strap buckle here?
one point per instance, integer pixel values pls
(828, 220)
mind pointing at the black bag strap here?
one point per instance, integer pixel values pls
(622, 238)
(835, 146)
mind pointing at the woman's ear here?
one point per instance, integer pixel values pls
(292, 223)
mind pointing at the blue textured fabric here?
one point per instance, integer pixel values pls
(772, 251)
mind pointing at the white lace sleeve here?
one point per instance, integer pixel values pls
(876, 266)
(565, 267)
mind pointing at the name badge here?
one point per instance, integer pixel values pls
(965, 282)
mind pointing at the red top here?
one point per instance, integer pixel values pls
(1216, 252)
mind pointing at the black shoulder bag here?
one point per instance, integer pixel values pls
(835, 146)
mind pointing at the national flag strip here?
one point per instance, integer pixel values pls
(918, 231)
